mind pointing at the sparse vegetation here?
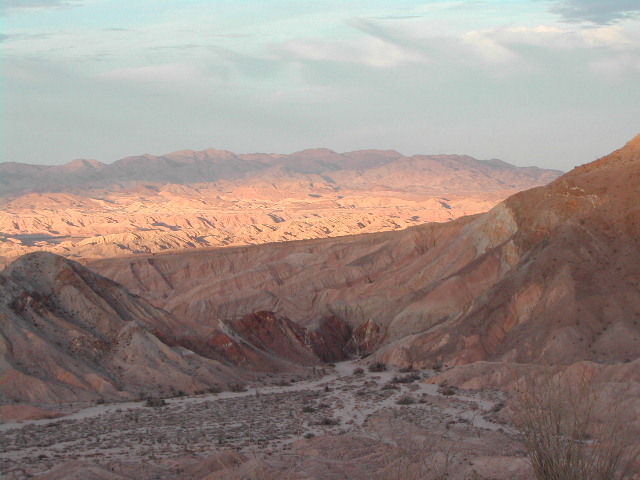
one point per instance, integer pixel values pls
(328, 421)
(237, 387)
(446, 391)
(390, 386)
(406, 400)
(155, 402)
(377, 367)
(570, 431)
(410, 378)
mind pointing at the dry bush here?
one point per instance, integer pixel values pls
(155, 402)
(377, 367)
(238, 467)
(569, 432)
(237, 387)
(416, 455)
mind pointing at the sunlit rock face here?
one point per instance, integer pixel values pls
(188, 199)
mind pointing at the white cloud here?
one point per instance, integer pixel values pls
(616, 66)
(370, 51)
(174, 73)
(489, 49)
(608, 36)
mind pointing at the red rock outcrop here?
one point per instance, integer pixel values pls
(68, 334)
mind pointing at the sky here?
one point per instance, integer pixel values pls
(552, 83)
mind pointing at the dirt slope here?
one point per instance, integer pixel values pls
(69, 335)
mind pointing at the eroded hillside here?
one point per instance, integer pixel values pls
(189, 200)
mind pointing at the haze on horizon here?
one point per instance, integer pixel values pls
(542, 82)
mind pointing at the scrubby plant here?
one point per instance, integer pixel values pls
(390, 386)
(237, 387)
(406, 400)
(155, 402)
(358, 371)
(328, 421)
(446, 391)
(377, 367)
(570, 432)
(410, 378)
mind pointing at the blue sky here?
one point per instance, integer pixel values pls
(553, 83)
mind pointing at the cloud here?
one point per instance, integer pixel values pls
(487, 48)
(602, 12)
(371, 51)
(172, 73)
(616, 66)
(16, 5)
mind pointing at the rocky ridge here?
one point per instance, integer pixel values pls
(69, 335)
(188, 199)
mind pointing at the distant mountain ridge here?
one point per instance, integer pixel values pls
(188, 166)
(211, 198)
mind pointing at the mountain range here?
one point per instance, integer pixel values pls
(188, 199)
(550, 274)
(442, 321)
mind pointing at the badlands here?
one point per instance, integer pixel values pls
(189, 199)
(385, 355)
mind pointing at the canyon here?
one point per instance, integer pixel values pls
(451, 315)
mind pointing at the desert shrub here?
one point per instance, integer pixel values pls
(309, 435)
(308, 409)
(377, 367)
(237, 387)
(390, 386)
(407, 369)
(406, 400)
(410, 378)
(328, 421)
(447, 391)
(99, 401)
(570, 433)
(214, 389)
(358, 371)
(155, 402)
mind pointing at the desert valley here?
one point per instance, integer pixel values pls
(212, 198)
(206, 315)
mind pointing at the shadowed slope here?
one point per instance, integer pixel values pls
(68, 334)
